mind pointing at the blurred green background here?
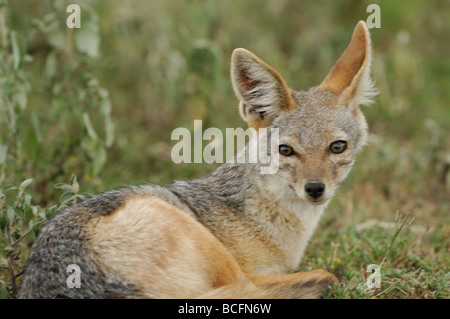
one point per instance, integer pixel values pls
(101, 102)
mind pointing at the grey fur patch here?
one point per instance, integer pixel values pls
(62, 243)
(220, 192)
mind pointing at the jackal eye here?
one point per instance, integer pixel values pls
(338, 147)
(286, 150)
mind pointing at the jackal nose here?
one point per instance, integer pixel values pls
(314, 189)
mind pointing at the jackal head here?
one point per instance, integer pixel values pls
(320, 130)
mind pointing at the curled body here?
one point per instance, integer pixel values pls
(235, 233)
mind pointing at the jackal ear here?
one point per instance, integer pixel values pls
(262, 92)
(349, 78)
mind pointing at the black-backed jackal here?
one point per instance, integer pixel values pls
(235, 233)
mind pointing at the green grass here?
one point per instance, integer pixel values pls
(409, 266)
(164, 64)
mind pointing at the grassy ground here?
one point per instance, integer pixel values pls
(166, 64)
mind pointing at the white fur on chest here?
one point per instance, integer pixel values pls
(292, 228)
(293, 238)
(309, 216)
